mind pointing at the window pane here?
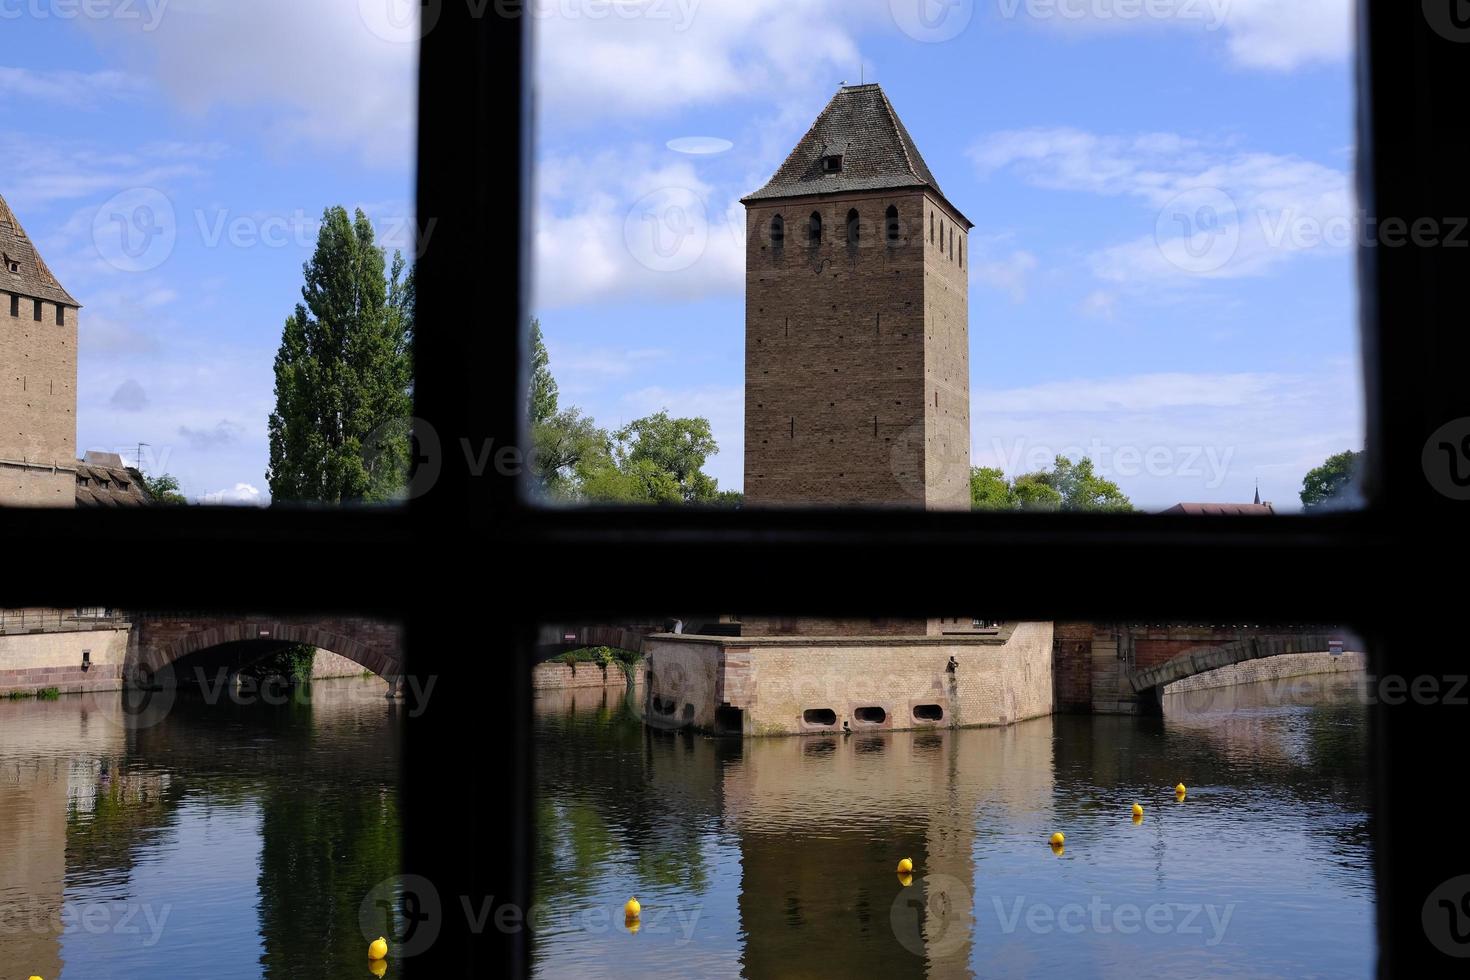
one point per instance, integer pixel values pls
(1111, 247)
(170, 169)
(754, 783)
(199, 795)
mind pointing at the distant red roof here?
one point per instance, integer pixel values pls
(1257, 509)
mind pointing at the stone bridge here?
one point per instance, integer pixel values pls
(1151, 679)
(1123, 669)
(160, 639)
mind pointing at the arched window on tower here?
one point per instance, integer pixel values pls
(941, 236)
(962, 253)
(951, 242)
(890, 220)
(778, 231)
(814, 229)
(931, 227)
(852, 227)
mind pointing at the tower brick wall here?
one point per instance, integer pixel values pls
(38, 402)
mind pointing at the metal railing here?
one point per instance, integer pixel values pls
(36, 620)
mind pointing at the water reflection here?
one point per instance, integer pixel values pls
(228, 840)
(776, 857)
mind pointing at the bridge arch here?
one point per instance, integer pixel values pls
(1148, 683)
(163, 640)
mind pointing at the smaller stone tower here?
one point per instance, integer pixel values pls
(38, 387)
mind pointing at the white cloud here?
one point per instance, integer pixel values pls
(618, 225)
(1168, 438)
(1286, 34)
(653, 58)
(326, 75)
(239, 494)
(1007, 274)
(1271, 35)
(1099, 304)
(1213, 211)
(72, 89)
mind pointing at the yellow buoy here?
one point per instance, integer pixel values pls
(378, 968)
(378, 948)
(1058, 839)
(905, 878)
(905, 866)
(1137, 810)
(1180, 790)
(632, 910)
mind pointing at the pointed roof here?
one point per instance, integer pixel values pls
(861, 126)
(33, 279)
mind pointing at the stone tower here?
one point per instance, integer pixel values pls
(857, 385)
(38, 357)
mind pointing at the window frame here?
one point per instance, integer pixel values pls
(468, 810)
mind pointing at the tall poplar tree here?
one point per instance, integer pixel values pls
(344, 374)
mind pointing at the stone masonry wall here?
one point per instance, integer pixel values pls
(996, 682)
(36, 661)
(559, 676)
(38, 402)
(837, 386)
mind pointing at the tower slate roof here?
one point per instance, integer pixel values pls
(32, 278)
(861, 126)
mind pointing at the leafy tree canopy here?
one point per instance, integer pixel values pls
(163, 488)
(344, 373)
(1067, 486)
(1328, 481)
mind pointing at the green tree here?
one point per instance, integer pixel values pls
(1067, 486)
(163, 488)
(1329, 480)
(658, 445)
(1082, 489)
(564, 446)
(542, 395)
(344, 373)
(990, 490)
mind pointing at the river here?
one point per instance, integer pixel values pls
(229, 840)
(246, 840)
(776, 857)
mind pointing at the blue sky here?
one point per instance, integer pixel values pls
(1161, 270)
